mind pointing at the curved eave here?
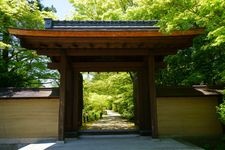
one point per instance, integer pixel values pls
(101, 33)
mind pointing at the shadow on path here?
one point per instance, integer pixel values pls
(122, 143)
(110, 142)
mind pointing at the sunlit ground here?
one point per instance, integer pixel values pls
(112, 142)
(111, 121)
(41, 146)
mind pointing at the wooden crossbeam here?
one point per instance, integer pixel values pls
(95, 52)
(102, 66)
(107, 52)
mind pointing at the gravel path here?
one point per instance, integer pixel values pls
(111, 121)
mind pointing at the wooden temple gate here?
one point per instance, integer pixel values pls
(104, 46)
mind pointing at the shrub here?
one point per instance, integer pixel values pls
(221, 112)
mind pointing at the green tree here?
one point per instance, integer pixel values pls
(41, 7)
(100, 9)
(109, 91)
(203, 62)
(20, 67)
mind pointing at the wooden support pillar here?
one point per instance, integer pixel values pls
(80, 92)
(144, 103)
(69, 101)
(136, 98)
(152, 95)
(62, 98)
(76, 103)
(73, 103)
(139, 103)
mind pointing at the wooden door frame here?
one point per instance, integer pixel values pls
(148, 124)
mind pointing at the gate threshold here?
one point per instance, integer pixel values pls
(108, 132)
(101, 132)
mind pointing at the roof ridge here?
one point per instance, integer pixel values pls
(104, 24)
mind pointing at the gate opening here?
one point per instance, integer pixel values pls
(108, 101)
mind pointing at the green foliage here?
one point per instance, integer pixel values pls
(221, 112)
(203, 62)
(109, 91)
(194, 66)
(94, 105)
(20, 67)
(101, 9)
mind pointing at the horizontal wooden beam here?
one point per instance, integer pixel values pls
(66, 42)
(107, 66)
(108, 43)
(107, 52)
(95, 52)
(102, 66)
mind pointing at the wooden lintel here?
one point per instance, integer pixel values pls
(123, 66)
(108, 64)
(95, 52)
(107, 52)
(101, 66)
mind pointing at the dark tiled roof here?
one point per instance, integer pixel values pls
(52, 24)
(29, 92)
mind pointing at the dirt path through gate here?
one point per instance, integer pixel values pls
(111, 121)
